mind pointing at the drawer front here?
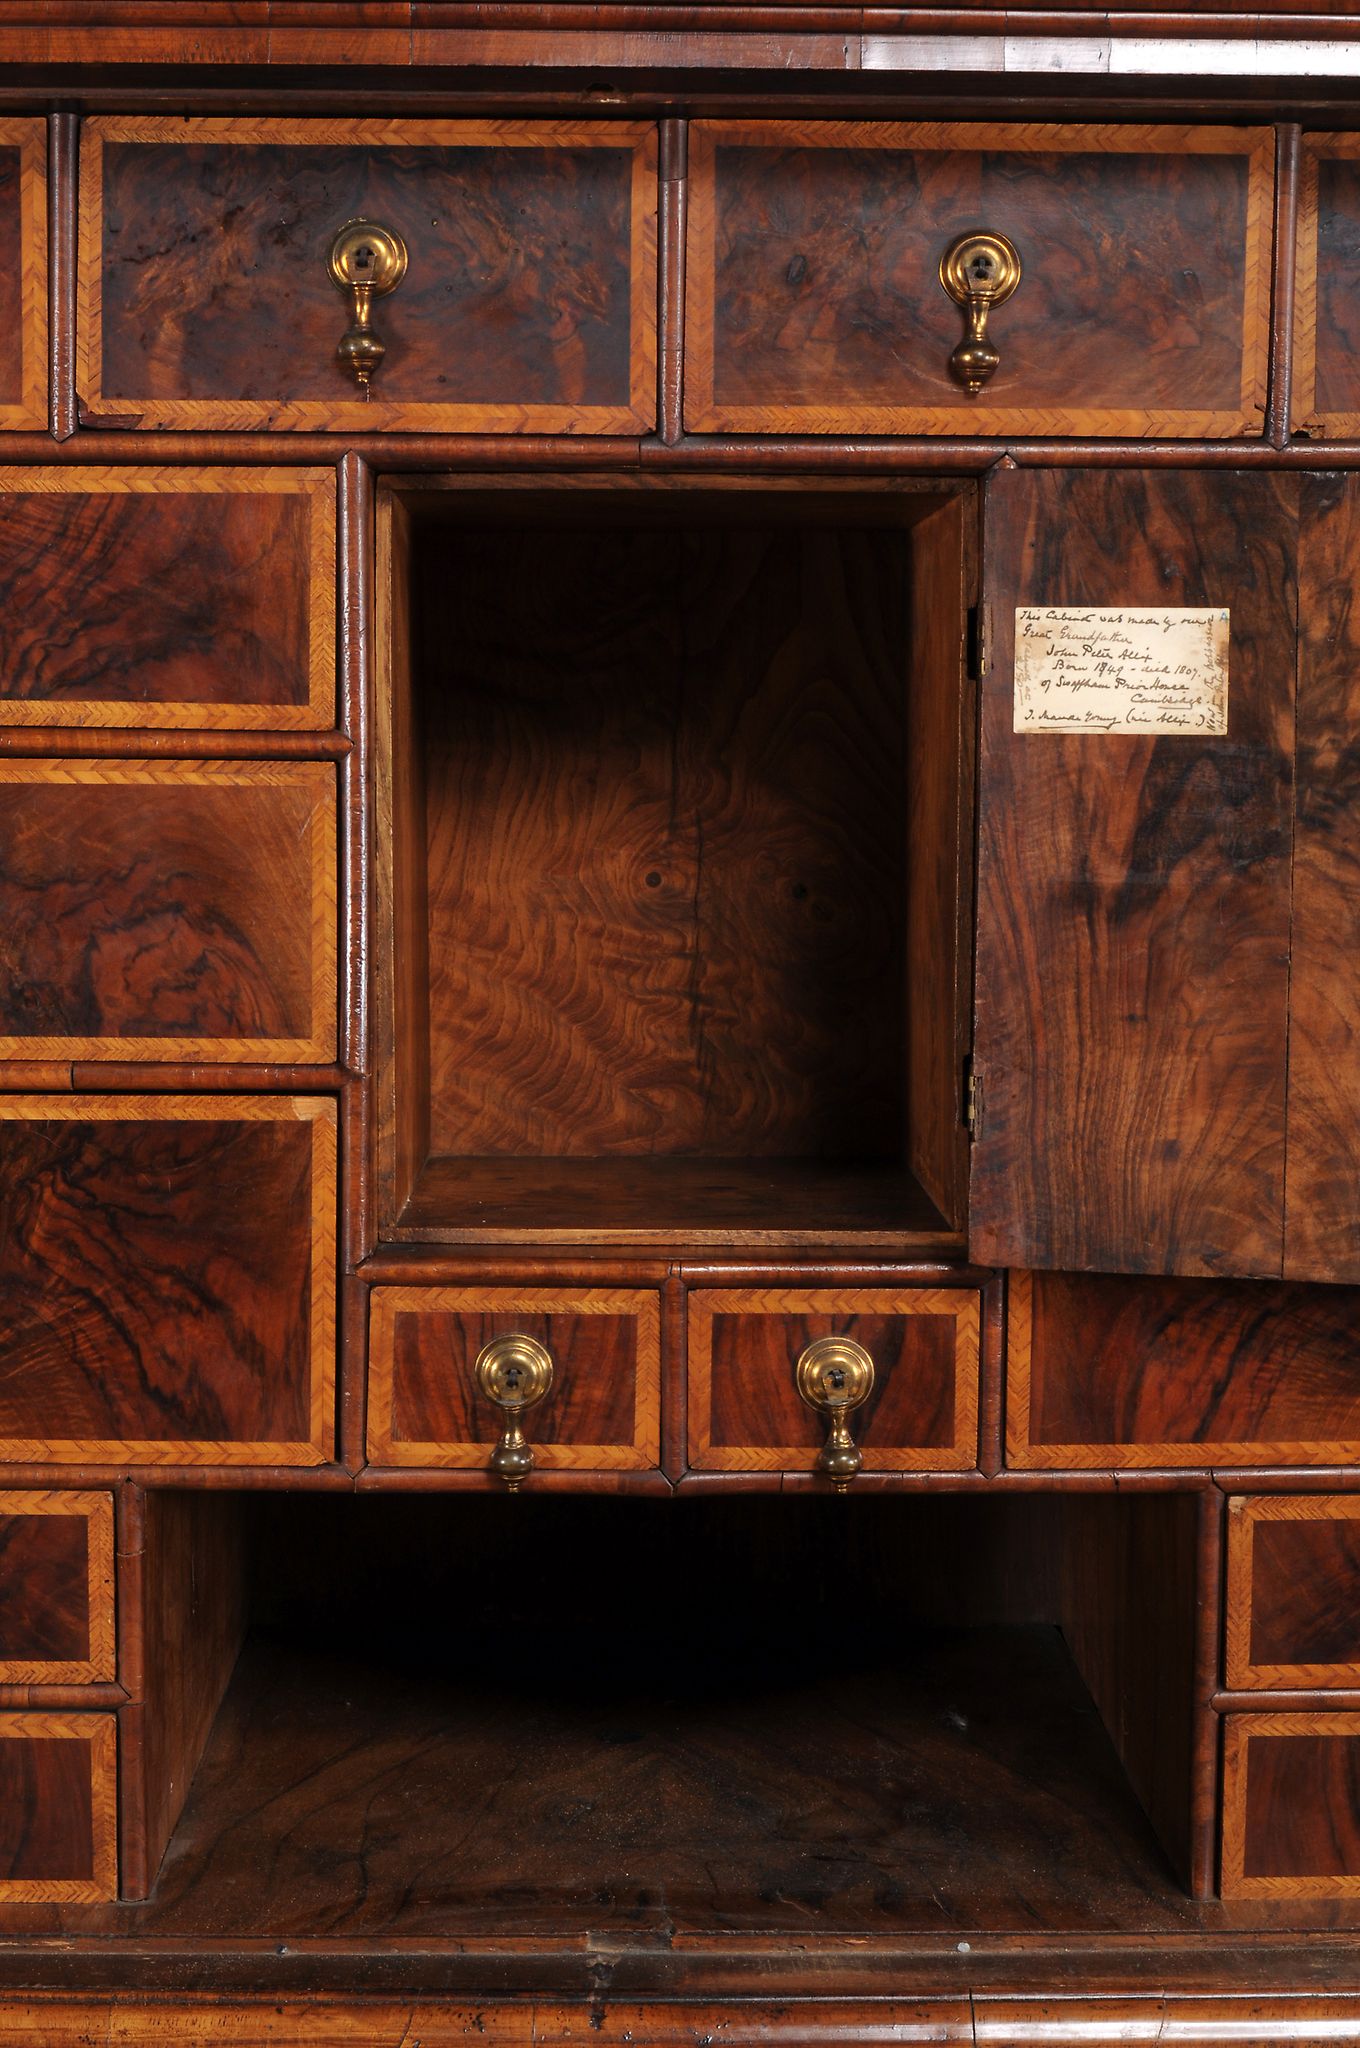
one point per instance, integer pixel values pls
(1291, 1806)
(168, 597)
(167, 910)
(814, 302)
(1326, 392)
(1105, 1371)
(601, 1412)
(528, 302)
(745, 1410)
(23, 223)
(1293, 1606)
(167, 1279)
(56, 1589)
(58, 1808)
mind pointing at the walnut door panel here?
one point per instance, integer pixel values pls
(23, 224)
(168, 597)
(528, 304)
(56, 1589)
(602, 1411)
(814, 302)
(168, 910)
(167, 1280)
(1131, 1018)
(58, 1808)
(1326, 391)
(745, 1411)
(1293, 1594)
(1291, 1806)
(1104, 1371)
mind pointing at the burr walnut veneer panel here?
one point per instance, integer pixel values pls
(167, 1276)
(1293, 1596)
(156, 596)
(529, 303)
(1326, 396)
(58, 1808)
(23, 225)
(1106, 1371)
(56, 1589)
(814, 302)
(1291, 1806)
(745, 1412)
(163, 910)
(601, 1412)
(1134, 896)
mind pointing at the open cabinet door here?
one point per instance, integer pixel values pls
(1131, 1026)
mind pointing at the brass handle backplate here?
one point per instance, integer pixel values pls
(515, 1372)
(368, 261)
(978, 270)
(835, 1376)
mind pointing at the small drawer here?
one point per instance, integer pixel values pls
(167, 910)
(1105, 1371)
(1293, 1600)
(56, 1589)
(527, 303)
(58, 1808)
(427, 1405)
(168, 597)
(167, 1279)
(23, 226)
(920, 1410)
(1326, 387)
(1291, 1806)
(815, 302)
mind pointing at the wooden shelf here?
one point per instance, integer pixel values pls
(674, 1201)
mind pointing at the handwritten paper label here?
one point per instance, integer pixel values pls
(1137, 670)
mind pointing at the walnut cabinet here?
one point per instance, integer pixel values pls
(679, 1063)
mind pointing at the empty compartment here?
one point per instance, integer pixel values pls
(672, 828)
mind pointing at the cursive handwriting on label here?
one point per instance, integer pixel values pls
(1142, 669)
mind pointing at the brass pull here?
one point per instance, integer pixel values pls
(514, 1372)
(369, 261)
(979, 271)
(835, 1376)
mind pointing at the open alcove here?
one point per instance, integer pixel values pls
(674, 861)
(532, 1723)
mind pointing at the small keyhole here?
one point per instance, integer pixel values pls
(512, 1378)
(835, 1379)
(981, 268)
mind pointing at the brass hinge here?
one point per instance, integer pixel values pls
(977, 642)
(972, 1098)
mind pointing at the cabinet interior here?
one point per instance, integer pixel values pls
(674, 803)
(830, 1718)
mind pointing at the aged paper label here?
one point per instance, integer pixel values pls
(1142, 669)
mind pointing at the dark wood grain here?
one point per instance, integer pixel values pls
(167, 597)
(44, 1589)
(1291, 1798)
(57, 1821)
(1322, 1182)
(745, 1409)
(191, 1613)
(1110, 1371)
(529, 299)
(1327, 331)
(603, 1407)
(666, 841)
(166, 1270)
(815, 304)
(167, 910)
(1293, 1603)
(1134, 898)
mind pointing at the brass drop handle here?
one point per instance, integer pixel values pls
(369, 261)
(978, 270)
(835, 1376)
(515, 1372)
